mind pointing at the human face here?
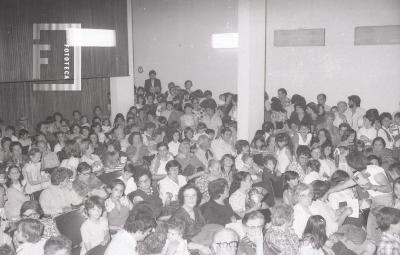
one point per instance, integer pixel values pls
(228, 162)
(270, 165)
(246, 149)
(351, 104)
(163, 151)
(117, 191)
(303, 160)
(14, 174)
(342, 107)
(215, 169)
(293, 183)
(17, 150)
(320, 99)
(327, 151)
(30, 213)
(3, 178)
(321, 136)
(304, 130)
(366, 123)
(374, 162)
(248, 182)
(351, 137)
(173, 172)
(378, 145)
(144, 182)
(225, 243)
(316, 153)
(36, 158)
(95, 212)
(190, 198)
(253, 228)
(175, 136)
(386, 122)
(281, 95)
(305, 198)
(174, 234)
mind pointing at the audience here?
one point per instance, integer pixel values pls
(175, 174)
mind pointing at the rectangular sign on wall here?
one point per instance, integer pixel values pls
(299, 37)
(375, 35)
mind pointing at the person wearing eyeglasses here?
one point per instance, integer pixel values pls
(225, 242)
(253, 241)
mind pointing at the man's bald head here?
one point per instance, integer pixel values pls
(225, 242)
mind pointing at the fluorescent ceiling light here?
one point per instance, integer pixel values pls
(225, 40)
(91, 37)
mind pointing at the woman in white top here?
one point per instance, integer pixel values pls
(367, 132)
(321, 206)
(170, 185)
(240, 186)
(173, 145)
(159, 162)
(284, 151)
(303, 199)
(314, 238)
(385, 132)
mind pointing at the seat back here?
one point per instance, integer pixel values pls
(106, 178)
(69, 224)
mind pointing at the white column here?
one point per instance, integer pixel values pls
(122, 88)
(251, 67)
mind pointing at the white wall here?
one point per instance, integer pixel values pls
(340, 68)
(174, 38)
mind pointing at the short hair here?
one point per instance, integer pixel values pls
(357, 160)
(162, 144)
(176, 224)
(385, 115)
(300, 189)
(338, 176)
(303, 150)
(356, 100)
(31, 229)
(116, 182)
(56, 243)
(322, 95)
(268, 158)
(59, 175)
(31, 205)
(94, 201)
(72, 149)
(378, 138)
(283, 91)
(224, 130)
(83, 167)
(240, 144)
(139, 219)
(182, 190)
(216, 188)
(387, 216)
(251, 216)
(33, 151)
(152, 72)
(268, 126)
(319, 188)
(281, 213)
(129, 167)
(172, 163)
(141, 172)
(130, 137)
(314, 164)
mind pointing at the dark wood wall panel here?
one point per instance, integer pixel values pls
(17, 99)
(16, 37)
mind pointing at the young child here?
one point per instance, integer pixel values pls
(28, 237)
(291, 179)
(173, 145)
(188, 119)
(284, 153)
(388, 220)
(35, 179)
(24, 140)
(313, 167)
(175, 244)
(127, 178)
(95, 229)
(117, 205)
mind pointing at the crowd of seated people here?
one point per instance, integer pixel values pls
(170, 177)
